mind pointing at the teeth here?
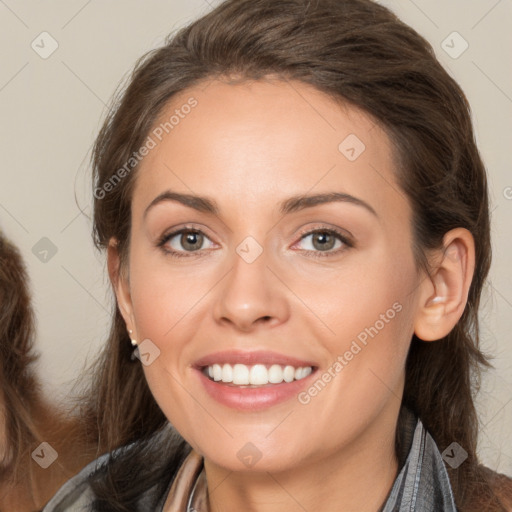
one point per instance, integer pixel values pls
(256, 375)
(240, 374)
(217, 372)
(227, 373)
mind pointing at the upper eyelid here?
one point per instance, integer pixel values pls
(171, 233)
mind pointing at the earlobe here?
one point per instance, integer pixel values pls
(120, 283)
(443, 295)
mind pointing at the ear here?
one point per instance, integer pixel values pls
(120, 283)
(444, 294)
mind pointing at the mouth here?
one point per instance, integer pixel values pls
(253, 380)
(253, 368)
(242, 375)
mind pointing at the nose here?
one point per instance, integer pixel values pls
(250, 295)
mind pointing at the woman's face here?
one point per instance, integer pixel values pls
(268, 273)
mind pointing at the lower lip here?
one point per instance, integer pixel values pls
(253, 399)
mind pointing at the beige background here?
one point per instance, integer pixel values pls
(52, 109)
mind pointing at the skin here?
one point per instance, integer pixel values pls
(249, 147)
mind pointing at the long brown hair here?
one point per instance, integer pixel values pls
(357, 52)
(19, 386)
(27, 417)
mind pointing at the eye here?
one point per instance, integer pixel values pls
(324, 240)
(182, 241)
(188, 240)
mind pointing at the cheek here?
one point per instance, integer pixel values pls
(163, 309)
(369, 310)
(162, 295)
(166, 305)
(365, 291)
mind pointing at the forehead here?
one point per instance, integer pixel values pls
(265, 140)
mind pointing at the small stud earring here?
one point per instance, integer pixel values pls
(134, 342)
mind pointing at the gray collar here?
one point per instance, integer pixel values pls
(423, 483)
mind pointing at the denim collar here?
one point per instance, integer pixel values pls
(423, 483)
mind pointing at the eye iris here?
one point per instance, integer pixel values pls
(323, 244)
(189, 240)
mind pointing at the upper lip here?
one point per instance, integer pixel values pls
(250, 358)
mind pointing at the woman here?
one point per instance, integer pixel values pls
(30, 472)
(296, 223)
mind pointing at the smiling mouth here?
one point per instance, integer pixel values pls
(257, 375)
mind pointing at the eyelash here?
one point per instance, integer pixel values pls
(316, 254)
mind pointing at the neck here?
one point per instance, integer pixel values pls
(357, 477)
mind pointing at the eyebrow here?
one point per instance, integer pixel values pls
(293, 204)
